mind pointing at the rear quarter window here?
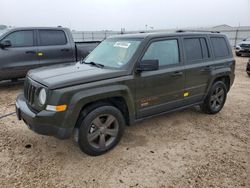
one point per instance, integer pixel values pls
(52, 37)
(220, 47)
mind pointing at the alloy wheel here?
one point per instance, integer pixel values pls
(103, 131)
(217, 98)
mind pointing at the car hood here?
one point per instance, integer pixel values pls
(60, 76)
(244, 42)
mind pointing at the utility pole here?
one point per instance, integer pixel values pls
(236, 35)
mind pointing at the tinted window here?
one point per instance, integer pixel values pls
(21, 38)
(52, 37)
(220, 47)
(193, 49)
(205, 52)
(167, 52)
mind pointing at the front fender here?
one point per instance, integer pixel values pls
(82, 98)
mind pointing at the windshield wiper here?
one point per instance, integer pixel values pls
(92, 63)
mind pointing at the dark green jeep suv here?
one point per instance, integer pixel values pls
(126, 79)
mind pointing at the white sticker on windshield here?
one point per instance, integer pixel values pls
(120, 63)
(122, 44)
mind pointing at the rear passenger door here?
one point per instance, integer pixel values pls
(198, 66)
(161, 90)
(54, 48)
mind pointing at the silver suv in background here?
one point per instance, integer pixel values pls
(243, 47)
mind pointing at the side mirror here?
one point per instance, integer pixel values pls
(5, 44)
(148, 65)
(244, 39)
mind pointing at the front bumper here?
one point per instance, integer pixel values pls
(42, 122)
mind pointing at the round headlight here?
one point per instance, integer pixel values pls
(42, 96)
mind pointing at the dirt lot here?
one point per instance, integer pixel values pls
(183, 149)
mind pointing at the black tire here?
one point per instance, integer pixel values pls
(92, 131)
(215, 99)
(248, 74)
(238, 54)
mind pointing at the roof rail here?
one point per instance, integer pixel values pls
(182, 31)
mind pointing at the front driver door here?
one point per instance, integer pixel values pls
(161, 90)
(20, 57)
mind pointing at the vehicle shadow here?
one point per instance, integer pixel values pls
(135, 136)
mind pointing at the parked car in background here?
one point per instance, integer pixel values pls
(22, 49)
(248, 67)
(124, 80)
(243, 47)
(3, 31)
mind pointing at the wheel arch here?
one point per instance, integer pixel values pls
(223, 75)
(225, 79)
(85, 101)
(116, 101)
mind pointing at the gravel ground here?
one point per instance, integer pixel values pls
(182, 149)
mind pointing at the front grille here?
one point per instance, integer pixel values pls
(29, 91)
(245, 45)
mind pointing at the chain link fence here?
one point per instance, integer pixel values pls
(80, 36)
(235, 34)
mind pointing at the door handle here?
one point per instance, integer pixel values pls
(30, 52)
(206, 69)
(178, 73)
(65, 50)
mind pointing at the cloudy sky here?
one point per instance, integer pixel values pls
(128, 14)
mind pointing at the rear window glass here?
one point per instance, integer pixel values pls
(52, 37)
(205, 52)
(196, 49)
(193, 49)
(220, 47)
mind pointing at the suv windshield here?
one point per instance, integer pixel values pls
(113, 53)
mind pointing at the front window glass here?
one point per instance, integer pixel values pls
(166, 52)
(114, 53)
(21, 38)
